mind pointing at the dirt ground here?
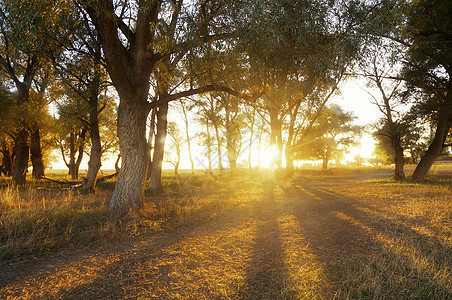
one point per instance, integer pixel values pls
(293, 240)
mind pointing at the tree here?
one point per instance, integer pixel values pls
(187, 134)
(428, 70)
(23, 47)
(135, 37)
(175, 146)
(332, 134)
(378, 71)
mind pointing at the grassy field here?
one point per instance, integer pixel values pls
(344, 234)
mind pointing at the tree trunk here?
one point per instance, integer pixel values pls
(22, 154)
(434, 150)
(232, 152)
(188, 139)
(217, 135)
(36, 154)
(155, 183)
(81, 148)
(151, 142)
(259, 147)
(7, 161)
(251, 138)
(95, 158)
(399, 160)
(209, 148)
(325, 163)
(71, 164)
(129, 188)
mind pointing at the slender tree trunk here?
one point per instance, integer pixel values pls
(71, 165)
(434, 150)
(21, 152)
(129, 188)
(176, 165)
(259, 147)
(251, 139)
(151, 143)
(217, 135)
(209, 148)
(187, 133)
(95, 158)
(155, 183)
(7, 161)
(275, 138)
(289, 153)
(80, 152)
(36, 154)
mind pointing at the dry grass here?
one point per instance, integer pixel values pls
(247, 236)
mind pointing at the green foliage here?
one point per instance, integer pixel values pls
(330, 136)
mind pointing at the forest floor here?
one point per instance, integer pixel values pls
(311, 236)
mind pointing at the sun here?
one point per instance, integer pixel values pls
(267, 156)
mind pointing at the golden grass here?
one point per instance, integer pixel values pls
(243, 236)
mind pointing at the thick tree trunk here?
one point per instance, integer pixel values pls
(36, 155)
(434, 150)
(129, 188)
(217, 135)
(399, 160)
(325, 163)
(155, 183)
(289, 159)
(22, 154)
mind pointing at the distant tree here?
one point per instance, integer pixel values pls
(379, 69)
(333, 132)
(176, 141)
(187, 134)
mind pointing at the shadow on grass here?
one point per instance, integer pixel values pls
(368, 256)
(265, 275)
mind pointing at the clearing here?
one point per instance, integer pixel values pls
(356, 235)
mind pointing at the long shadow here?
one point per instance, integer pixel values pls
(331, 237)
(265, 276)
(373, 217)
(130, 250)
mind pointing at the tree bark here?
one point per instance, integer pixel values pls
(209, 148)
(151, 142)
(217, 135)
(7, 161)
(36, 154)
(434, 150)
(22, 155)
(129, 188)
(155, 183)
(95, 159)
(399, 159)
